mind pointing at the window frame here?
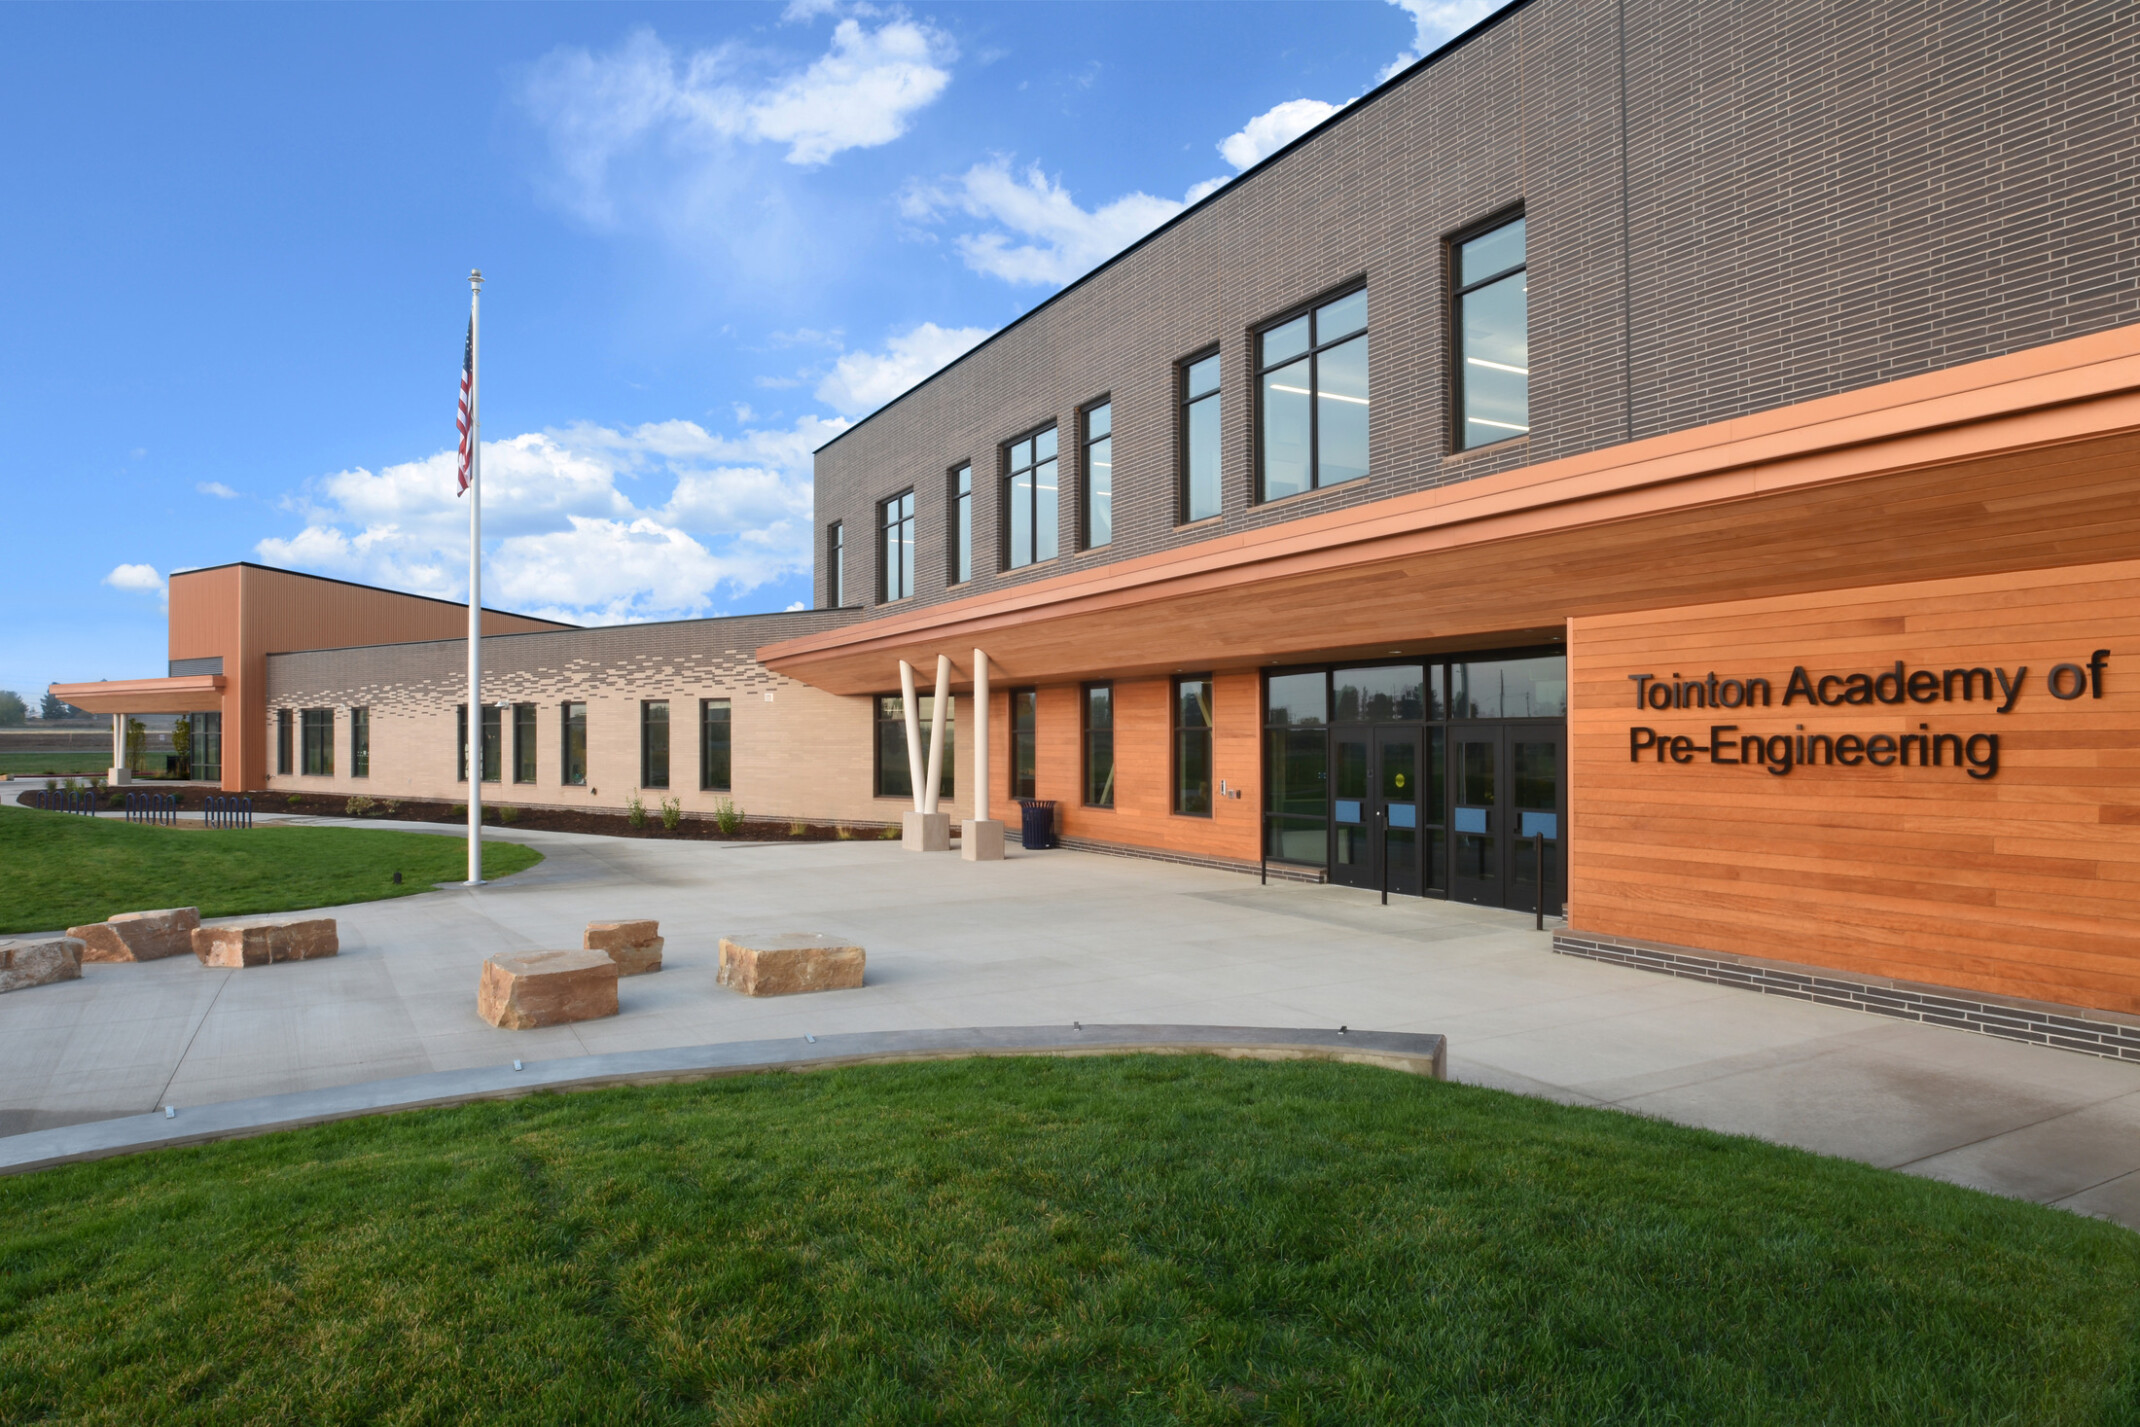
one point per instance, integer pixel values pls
(565, 725)
(895, 575)
(1029, 736)
(1086, 736)
(525, 745)
(360, 741)
(315, 740)
(836, 565)
(1312, 355)
(1085, 442)
(646, 750)
(1004, 501)
(706, 708)
(958, 568)
(1182, 403)
(947, 779)
(285, 744)
(1453, 256)
(1174, 745)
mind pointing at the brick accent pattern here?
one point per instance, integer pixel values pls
(1743, 206)
(2104, 1033)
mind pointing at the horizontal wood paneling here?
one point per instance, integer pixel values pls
(2022, 884)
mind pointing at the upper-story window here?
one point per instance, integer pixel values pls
(1492, 326)
(836, 565)
(1313, 378)
(1096, 493)
(896, 518)
(1200, 438)
(962, 525)
(1029, 501)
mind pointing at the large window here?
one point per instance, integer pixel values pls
(1492, 323)
(208, 747)
(1312, 371)
(493, 742)
(572, 745)
(654, 743)
(285, 740)
(961, 525)
(1099, 745)
(714, 746)
(360, 743)
(1025, 742)
(1200, 438)
(1192, 746)
(523, 743)
(836, 565)
(1096, 489)
(892, 779)
(319, 743)
(895, 522)
(1296, 784)
(1029, 503)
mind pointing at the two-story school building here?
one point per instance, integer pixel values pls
(1676, 463)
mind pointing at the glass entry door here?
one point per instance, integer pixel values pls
(1505, 783)
(1386, 808)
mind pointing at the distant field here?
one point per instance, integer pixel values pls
(70, 763)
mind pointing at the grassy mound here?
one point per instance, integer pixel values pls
(63, 870)
(1137, 1239)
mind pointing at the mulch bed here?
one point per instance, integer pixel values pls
(605, 824)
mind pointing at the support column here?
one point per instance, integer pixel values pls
(119, 773)
(924, 829)
(981, 837)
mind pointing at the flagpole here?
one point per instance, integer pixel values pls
(475, 582)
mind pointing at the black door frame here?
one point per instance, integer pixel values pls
(1512, 831)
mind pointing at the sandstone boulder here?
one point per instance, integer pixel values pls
(262, 944)
(524, 989)
(139, 936)
(634, 946)
(789, 963)
(24, 964)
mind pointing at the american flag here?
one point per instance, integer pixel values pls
(468, 377)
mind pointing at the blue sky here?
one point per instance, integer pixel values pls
(233, 277)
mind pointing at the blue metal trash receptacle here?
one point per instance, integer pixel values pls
(1037, 826)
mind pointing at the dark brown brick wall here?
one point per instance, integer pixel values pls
(1814, 198)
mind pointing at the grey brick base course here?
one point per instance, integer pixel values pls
(2104, 1033)
(1279, 871)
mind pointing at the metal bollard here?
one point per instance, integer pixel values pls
(1539, 840)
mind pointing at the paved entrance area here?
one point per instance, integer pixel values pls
(1049, 938)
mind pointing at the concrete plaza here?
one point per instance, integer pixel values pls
(1048, 938)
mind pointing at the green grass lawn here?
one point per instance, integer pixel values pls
(73, 763)
(61, 870)
(1136, 1239)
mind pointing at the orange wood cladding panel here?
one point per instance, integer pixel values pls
(1143, 814)
(2026, 883)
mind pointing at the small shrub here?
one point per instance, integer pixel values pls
(295, 798)
(508, 814)
(460, 810)
(844, 833)
(72, 785)
(360, 805)
(727, 817)
(635, 811)
(390, 806)
(798, 829)
(672, 812)
(117, 800)
(890, 834)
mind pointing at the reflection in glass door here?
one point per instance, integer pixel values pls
(1351, 810)
(1475, 815)
(1397, 800)
(1506, 796)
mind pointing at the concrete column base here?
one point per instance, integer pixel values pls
(981, 841)
(116, 776)
(925, 832)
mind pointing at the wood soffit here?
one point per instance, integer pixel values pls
(2083, 390)
(185, 693)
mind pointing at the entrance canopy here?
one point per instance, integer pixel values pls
(187, 693)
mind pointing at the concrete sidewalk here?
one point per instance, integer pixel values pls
(1055, 937)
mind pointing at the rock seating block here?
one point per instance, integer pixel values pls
(263, 944)
(790, 963)
(24, 964)
(524, 989)
(139, 936)
(634, 946)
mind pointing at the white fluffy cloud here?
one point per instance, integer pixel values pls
(216, 489)
(1039, 233)
(611, 117)
(587, 524)
(137, 577)
(863, 381)
(1272, 130)
(1435, 21)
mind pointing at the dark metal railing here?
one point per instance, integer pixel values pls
(159, 808)
(228, 812)
(62, 800)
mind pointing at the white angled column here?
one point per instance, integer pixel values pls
(923, 829)
(980, 837)
(120, 773)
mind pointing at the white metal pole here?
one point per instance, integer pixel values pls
(980, 736)
(936, 731)
(906, 690)
(475, 579)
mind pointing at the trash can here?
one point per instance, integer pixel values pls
(1037, 828)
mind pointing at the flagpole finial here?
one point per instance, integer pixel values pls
(475, 278)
